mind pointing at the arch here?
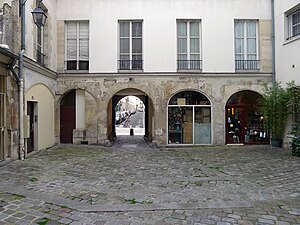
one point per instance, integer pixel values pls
(78, 117)
(198, 94)
(189, 118)
(245, 123)
(39, 107)
(148, 114)
(37, 84)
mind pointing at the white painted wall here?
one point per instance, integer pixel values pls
(80, 109)
(287, 52)
(159, 29)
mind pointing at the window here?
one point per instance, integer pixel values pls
(188, 45)
(77, 45)
(40, 57)
(293, 22)
(246, 45)
(189, 119)
(131, 45)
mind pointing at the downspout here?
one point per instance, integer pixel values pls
(273, 43)
(21, 81)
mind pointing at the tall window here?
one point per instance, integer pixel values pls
(246, 45)
(188, 45)
(40, 56)
(293, 23)
(77, 45)
(131, 47)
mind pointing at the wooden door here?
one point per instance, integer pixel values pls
(67, 123)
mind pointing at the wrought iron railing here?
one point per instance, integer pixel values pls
(40, 58)
(247, 64)
(189, 64)
(130, 65)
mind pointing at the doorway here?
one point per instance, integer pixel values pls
(33, 123)
(67, 117)
(245, 123)
(134, 105)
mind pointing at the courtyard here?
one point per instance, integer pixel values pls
(132, 183)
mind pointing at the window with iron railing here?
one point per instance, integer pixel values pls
(77, 45)
(131, 48)
(246, 45)
(188, 45)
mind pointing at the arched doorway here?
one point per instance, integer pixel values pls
(67, 117)
(135, 103)
(130, 116)
(189, 119)
(245, 123)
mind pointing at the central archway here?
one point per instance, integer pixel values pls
(145, 107)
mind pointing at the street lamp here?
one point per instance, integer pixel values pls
(39, 18)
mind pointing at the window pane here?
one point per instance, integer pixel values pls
(136, 45)
(124, 45)
(136, 29)
(239, 29)
(239, 57)
(83, 30)
(72, 49)
(124, 57)
(251, 57)
(296, 18)
(71, 30)
(182, 56)
(124, 29)
(239, 45)
(251, 29)
(137, 57)
(296, 30)
(182, 45)
(194, 57)
(194, 45)
(251, 45)
(84, 49)
(181, 29)
(202, 125)
(194, 28)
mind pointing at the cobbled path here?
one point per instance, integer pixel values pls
(131, 183)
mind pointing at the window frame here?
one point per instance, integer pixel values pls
(131, 66)
(289, 23)
(77, 61)
(247, 64)
(188, 38)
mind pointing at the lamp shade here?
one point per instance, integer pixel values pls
(39, 17)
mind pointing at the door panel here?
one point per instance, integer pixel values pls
(67, 123)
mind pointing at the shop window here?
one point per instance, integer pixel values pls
(245, 123)
(189, 119)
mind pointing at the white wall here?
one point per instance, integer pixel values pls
(287, 52)
(159, 26)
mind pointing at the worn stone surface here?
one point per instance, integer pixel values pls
(142, 185)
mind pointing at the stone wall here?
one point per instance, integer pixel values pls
(160, 88)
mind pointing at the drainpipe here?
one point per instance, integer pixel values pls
(21, 80)
(273, 43)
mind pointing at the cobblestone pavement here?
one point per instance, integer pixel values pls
(131, 183)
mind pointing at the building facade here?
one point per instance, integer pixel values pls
(198, 77)
(200, 68)
(287, 48)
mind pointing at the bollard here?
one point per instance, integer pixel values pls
(131, 132)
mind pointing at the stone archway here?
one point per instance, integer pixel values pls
(149, 112)
(245, 123)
